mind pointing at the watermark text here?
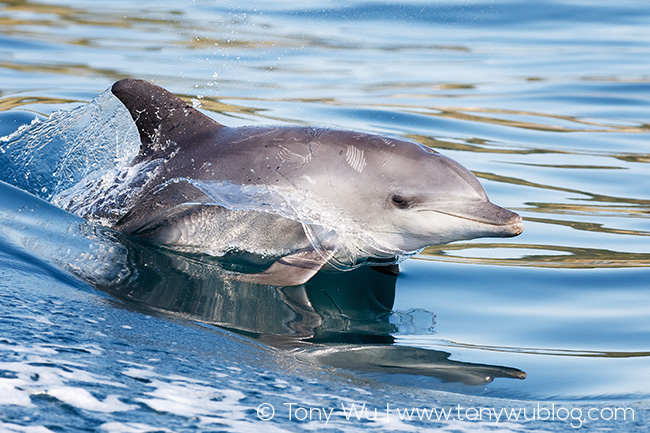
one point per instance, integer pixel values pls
(355, 412)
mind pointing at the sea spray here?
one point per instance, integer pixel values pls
(47, 157)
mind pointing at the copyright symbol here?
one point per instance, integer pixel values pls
(265, 411)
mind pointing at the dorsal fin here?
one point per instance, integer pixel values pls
(161, 117)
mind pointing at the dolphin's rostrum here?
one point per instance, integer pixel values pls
(300, 197)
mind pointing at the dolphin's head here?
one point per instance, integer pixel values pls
(440, 201)
(407, 196)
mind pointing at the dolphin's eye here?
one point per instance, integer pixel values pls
(400, 201)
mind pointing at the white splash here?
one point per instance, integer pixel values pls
(49, 156)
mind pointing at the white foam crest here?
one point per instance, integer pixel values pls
(52, 373)
(131, 427)
(196, 399)
(11, 392)
(191, 399)
(39, 371)
(180, 395)
(15, 428)
(82, 399)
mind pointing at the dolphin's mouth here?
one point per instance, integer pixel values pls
(504, 222)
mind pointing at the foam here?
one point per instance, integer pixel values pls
(130, 427)
(40, 372)
(16, 428)
(82, 399)
(185, 396)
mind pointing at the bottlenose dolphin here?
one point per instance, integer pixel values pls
(301, 197)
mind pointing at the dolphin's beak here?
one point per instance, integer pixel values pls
(497, 221)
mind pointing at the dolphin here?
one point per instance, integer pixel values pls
(298, 197)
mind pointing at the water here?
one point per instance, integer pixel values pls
(547, 103)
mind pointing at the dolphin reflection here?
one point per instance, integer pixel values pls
(339, 320)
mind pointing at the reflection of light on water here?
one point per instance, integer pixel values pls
(434, 343)
(503, 253)
(533, 255)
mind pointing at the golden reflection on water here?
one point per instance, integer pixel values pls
(461, 113)
(10, 102)
(26, 6)
(635, 206)
(77, 70)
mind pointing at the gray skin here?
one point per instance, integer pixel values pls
(335, 196)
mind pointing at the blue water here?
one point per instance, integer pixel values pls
(546, 102)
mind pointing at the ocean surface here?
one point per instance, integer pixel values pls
(547, 103)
